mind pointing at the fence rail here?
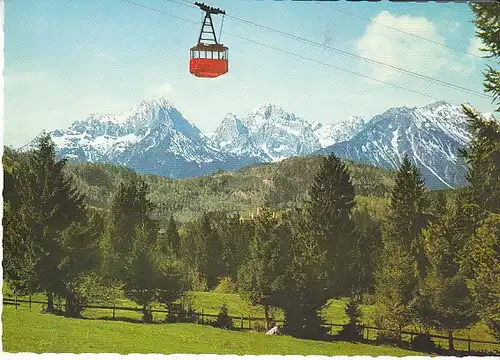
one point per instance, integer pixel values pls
(249, 319)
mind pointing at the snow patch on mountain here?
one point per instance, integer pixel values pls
(154, 137)
(430, 135)
(272, 134)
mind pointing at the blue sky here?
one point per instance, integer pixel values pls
(66, 59)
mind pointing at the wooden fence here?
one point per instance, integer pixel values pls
(242, 321)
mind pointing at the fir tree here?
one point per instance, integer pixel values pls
(49, 205)
(302, 292)
(482, 260)
(403, 259)
(328, 210)
(366, 254)
(266, 263)
(482, 250)
(445, 302)
(172, 236)
(483, 160)
(81, 257)
(130, 208)
(487, 21)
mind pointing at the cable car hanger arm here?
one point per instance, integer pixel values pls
(209, 9)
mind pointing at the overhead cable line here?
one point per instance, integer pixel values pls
(317, 61)
(404, 32)
(359, 57)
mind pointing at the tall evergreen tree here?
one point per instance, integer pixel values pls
(445, 302)
(487, 21)
(482, 250)
(235, 237)
(19, 257)
(81, 258)
(49, 205)
(302, 291)
(130, 208)
(482, 260)
(483, 160)
(146, 269)
(365, 254)
(172, 236)
(328, 210)
(403, 259)
(266, 262)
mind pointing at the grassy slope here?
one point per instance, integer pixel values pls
(210, 303)
(50, 333)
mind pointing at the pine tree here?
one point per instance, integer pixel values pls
(130, 208)
(302, 291)
(266, 262)
(81, 258)
(328, 210)
(366, 254)
(49, 205)
(172, 236)
(482, 249)
(235, 237)
(487, 20)
(403, 259)
(483, 160)
(445, 302)
(149, 272)
(19, 256)
(482, 260)
(142, 278)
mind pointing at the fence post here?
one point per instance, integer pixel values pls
(30, 302)
(202, 318)
(114, 306)
(249, 322)
(15, 299)
(241, 321)
(368, 332)
(468, 341)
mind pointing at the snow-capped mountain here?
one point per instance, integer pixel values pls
(153, 137)
(341, 131)
(429, 135)
(272, 134)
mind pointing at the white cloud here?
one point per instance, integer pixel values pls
(474, 45)
(398, 49)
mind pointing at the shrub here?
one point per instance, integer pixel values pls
(423, 343)
(353, 330)
(225, 286)
(178, 314)
(224, 321)
(197, 281)
(259, 325)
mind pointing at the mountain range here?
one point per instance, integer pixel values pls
(154, 137)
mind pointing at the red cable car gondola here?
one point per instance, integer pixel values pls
(208, 60)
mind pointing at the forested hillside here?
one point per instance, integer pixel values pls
(277, 186)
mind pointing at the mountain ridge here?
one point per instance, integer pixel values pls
(154, 137)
